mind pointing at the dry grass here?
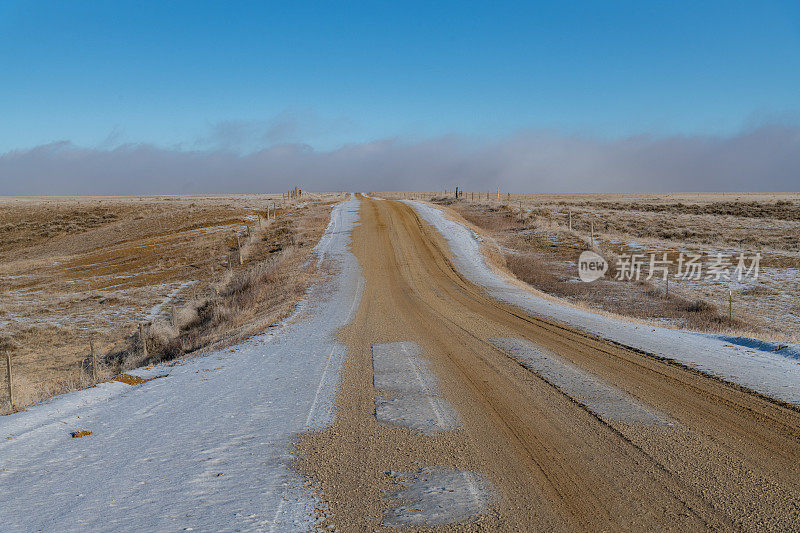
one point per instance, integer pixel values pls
(110, 264)
(532, 232)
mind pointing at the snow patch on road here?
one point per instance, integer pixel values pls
(408, 390)
(599, 397)
(752, 364)
(437, 496)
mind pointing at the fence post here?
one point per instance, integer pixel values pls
(94, 360)
(667, 279)
(142, 340)
(10, 385)
(239, 247)
(591, 226)
(570, 219)
(730, 305)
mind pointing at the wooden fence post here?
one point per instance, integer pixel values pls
(10, 385)
(239, 247)
(591, 226)
(94, 359)
(570, 219)
(143, 341)
(730, 305)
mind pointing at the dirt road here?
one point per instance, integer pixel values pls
(567, 432)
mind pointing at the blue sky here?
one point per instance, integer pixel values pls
(245, 75)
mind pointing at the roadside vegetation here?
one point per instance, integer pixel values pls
(536, 245)
(80, 273)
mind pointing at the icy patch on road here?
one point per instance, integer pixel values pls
(762, 370)
(408, 391)
(604, 400)
(437, 496)
(207, 447)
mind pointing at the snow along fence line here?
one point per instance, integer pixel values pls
(750, 363)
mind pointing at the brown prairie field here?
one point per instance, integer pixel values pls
(531, 233)
(81, 270)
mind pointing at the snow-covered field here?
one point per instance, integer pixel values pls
(766, 367)
(206, 447)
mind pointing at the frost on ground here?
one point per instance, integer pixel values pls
(762, 366)
(158, 309)
(207, 447)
